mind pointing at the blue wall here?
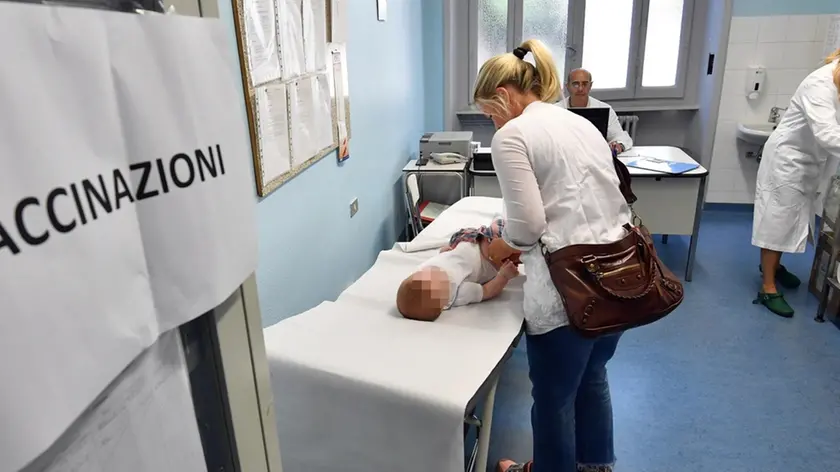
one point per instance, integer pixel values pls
(433, 63)
(784, 7)
(309, 248)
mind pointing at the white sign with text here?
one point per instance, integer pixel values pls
(126, 201)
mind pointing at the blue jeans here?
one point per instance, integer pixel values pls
(572, 412)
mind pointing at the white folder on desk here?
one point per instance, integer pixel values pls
(662, 165)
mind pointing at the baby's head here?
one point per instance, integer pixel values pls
(424, 294)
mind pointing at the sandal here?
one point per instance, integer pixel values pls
(526, 467)
(774, 302)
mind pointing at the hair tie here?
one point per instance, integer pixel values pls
(520, 52)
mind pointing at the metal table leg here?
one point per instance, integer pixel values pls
(484, 432)
(692, 245)
(820, 318)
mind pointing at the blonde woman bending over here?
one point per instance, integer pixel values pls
(799, 159)
(559, 188)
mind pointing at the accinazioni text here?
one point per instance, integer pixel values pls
(79, 203)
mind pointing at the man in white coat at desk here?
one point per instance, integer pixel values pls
(799, 159)
(579, 84)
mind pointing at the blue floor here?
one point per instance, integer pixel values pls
(720, 385)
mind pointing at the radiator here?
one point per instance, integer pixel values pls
(629, 123)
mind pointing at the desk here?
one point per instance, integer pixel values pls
(667, 204)
(433, 168)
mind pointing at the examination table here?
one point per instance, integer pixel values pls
(357, 388)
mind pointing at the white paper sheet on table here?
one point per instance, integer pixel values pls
(311, 115)
(465, 213)
(144, 421)
(263, 50)
(291, 37)
(145, 109)
(273, 109)
(315, 34)
(358, 388)
(353, 379)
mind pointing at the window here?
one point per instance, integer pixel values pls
(662, 43)
(547, 20)
(606, 42)
(492, 29)
(633, 48)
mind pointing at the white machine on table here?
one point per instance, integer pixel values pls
(358, 388)
(668, 204)
(440, 182)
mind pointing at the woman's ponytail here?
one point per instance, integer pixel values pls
(511, 69)
(549, 86)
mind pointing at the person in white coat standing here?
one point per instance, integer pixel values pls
(579, 84)
(799, 159)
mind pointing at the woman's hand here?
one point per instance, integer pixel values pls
(499, 252)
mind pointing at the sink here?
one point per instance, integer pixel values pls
(755, 133)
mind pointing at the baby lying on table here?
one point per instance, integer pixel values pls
(461, 274)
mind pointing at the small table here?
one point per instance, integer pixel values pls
(432, 167)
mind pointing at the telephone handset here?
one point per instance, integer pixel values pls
(444, 158)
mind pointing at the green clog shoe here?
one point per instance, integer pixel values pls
(776, 303)
(785, 278)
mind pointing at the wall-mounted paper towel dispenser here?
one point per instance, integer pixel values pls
(754, 85)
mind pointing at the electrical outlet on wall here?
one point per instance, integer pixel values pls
(354, 207)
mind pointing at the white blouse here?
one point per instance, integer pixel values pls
(560, 188)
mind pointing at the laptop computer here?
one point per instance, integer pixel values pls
(600, 117)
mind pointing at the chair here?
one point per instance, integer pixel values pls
(412, 204)
(829, 223)
(419, 188)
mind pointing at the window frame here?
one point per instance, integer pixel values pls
(678, 89)
(628, 91)
(575, 48)
(513, 31)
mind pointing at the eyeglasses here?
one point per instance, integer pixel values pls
(583, 84)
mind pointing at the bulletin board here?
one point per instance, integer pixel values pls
(295, 83)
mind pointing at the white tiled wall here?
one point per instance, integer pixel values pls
(789, 47)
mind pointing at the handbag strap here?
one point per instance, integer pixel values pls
(635, 219)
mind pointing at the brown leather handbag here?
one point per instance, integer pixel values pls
(609, 288)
